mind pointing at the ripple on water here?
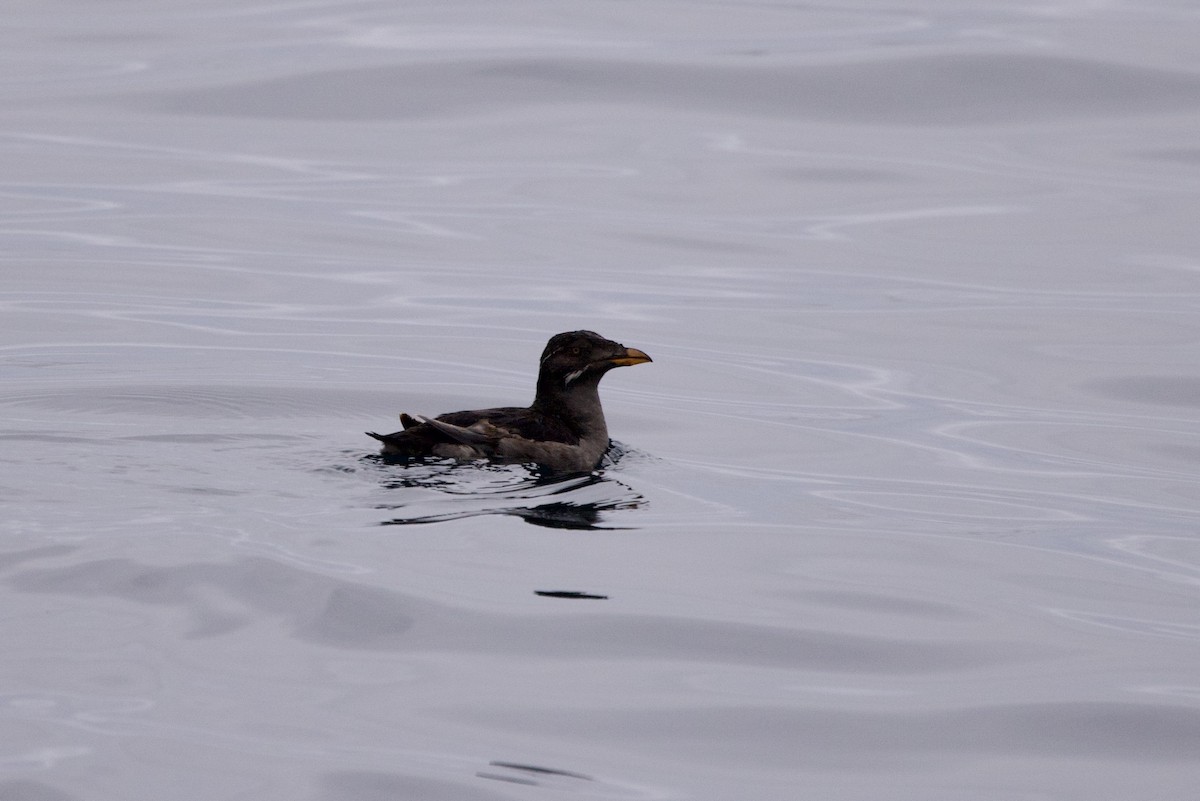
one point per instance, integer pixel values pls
(950, 506)
(198, 400)
(437, 490)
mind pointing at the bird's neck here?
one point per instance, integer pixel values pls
(577, 403)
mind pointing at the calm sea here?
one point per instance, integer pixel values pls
(906, 507)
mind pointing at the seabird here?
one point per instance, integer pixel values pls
(562, 430)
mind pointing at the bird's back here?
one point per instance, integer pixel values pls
(423, 439)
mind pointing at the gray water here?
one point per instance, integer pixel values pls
(905, 508)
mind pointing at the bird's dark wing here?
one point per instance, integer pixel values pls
(516, 421)
(480, 429)
(480, 435)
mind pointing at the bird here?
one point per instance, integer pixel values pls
(563, 430)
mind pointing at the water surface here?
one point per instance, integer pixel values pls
(904, 508)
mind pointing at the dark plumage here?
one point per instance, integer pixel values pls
(563, 429)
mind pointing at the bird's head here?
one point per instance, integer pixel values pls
(578, 357)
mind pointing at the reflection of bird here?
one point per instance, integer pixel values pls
(563, 429)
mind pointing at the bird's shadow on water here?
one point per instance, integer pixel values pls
(438, 490)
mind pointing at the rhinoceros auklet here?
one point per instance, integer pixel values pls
(563, 429)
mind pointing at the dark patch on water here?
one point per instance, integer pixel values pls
(524, 774)
(569, 594)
